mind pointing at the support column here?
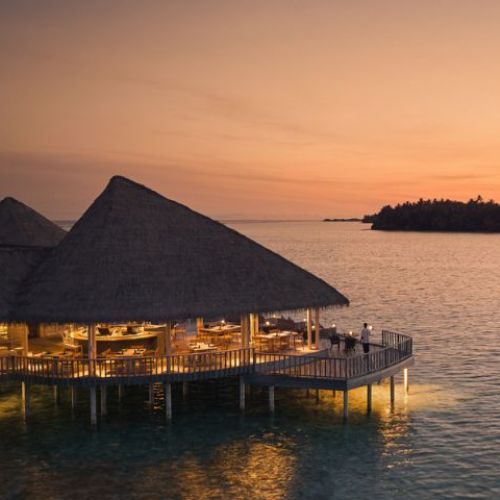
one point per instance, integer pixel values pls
(242, 394)
(151, 396)
(316, 328)
(120, 392)
(309, 328)
(92, 348)
(199, 325)
(168, 401)
(369, 398)
(93, 406)
(185, 389)
(317, 396)
(55, 391)
(392, 390)
(25, 397)
(405, 380)
(271, 398)
(104, 406)
(73, 397)
(245, 331)
(346, 404)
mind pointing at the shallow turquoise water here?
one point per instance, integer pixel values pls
(443, 440)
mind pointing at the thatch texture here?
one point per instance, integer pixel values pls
(15, 265)
(135, 255)
(21, 226)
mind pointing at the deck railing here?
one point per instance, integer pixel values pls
(225, 363)
(396, 348)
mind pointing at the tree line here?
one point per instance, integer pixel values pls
(476, 215)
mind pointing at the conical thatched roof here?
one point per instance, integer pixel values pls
(25, 236)
(135, 255)
(21, 226)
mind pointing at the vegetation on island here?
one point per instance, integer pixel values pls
(476, 215)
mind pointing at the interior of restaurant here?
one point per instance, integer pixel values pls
(268, 334)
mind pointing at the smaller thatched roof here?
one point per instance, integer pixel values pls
(21, 226)
(135, 255)
(25, 238)
(15, 266)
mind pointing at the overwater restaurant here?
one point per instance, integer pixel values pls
(144, 290)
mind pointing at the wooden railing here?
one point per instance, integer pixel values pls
(224, 363)
(396, 348)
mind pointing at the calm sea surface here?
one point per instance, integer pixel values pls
(442, 441)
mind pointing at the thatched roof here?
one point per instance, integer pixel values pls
(21, 226)
(15, 265)
(135, 255)
(25, 236)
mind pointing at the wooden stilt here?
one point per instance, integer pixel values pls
(242, 394)
(369, 398)
(168, 401)
(104, 406)
(73, 397)
(271, 398)
(25, 397)
(317, 395)
(405, 380)
(151, 395)
(346, 405)
(185, 389)
(120, 392)
(56, 394)
(392, 389)
(93, 406)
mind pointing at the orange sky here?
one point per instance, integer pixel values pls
(296, 109)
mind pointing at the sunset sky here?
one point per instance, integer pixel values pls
(249, 109)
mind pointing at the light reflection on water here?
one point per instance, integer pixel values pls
(440, 441)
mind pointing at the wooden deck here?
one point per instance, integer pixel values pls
(315, 369)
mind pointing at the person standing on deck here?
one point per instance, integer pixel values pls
(365, 338)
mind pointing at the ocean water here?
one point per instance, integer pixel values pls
(440, 441)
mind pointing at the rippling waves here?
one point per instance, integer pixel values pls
(443, 440)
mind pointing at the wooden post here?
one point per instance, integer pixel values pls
(168, 339)
(245, 336)
(271, 398)
(309, 328)
(199, 325)
(168, 401)
(25, 397)
(392, 389)
(346, 404)
(93, 406)
(151, 394)
(405, 380)
(104, 406)
(242, 394)
(317, 396)
(185, 389)
(73, 397)
(92, 348)
(316, 328)
(120, 392)
(369, 398)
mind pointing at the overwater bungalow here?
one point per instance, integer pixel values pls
(144, 290)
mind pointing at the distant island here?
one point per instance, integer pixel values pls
(342, 220)
(476, 215)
